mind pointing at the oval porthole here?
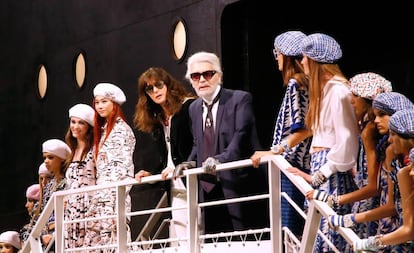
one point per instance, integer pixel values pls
(42, 81)
(80, 70)
(179, 41)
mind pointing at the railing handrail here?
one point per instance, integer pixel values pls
(315, 211)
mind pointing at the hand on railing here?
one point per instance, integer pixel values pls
(331, 200)
(258, 155)
(209, 165)
(178, 171)
(346, 221)
(318, 179)
(372, 243)
(141, 174)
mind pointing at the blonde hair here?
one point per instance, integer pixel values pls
(319, 75)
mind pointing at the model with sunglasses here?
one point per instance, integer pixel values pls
(235, 138)
(161, 116)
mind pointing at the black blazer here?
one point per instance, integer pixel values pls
(151, 150)
(235, 139)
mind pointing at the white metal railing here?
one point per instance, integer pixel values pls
(195, 240)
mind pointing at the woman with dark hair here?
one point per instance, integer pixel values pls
(56, 155)
(81, 172)
(162, 112)
(401, 140)
(10, 242)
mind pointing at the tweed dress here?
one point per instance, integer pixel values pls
(113, 164)
(79, 174)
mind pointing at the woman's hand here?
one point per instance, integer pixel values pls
(141, 174)
(257, 155)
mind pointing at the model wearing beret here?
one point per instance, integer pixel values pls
(387, 212)
(81, 172)
(391, 102)
(335, 131)
(44, 176)
(83, 112)
(56, 154)
(32, 203)
(364, 87)
(401, 126)
(114, 144)
(290, 138)
(10, 242)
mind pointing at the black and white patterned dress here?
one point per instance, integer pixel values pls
(79, 174)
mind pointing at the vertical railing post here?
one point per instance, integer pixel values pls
(121, 226)
(275, 207)
(193, 231)
(59, 218)
(311, 229)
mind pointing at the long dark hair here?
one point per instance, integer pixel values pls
(149, 114)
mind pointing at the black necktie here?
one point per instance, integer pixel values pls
(208, 181)
(208, 134)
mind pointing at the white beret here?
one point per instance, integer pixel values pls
(57, 147)
(12, 238)
(110, 91)
(84, 112)
(33, 192)
(44, 170)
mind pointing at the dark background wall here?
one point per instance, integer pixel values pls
(122, 38)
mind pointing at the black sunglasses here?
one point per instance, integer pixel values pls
(150, 88)
(206, 74)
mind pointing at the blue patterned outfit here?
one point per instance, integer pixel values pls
(404, 247)
(291, 118)
(365, 229)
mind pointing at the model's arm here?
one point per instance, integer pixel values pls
(406, 231)
(380, 212)
(292, 140)
(369, 140)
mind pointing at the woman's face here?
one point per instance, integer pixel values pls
(381, 121)
(29, 206)
(53, 163)
(78, 128)
(157, 91)
(104, 106)
(279, 59)
(400, 146)
(360, 106)
(44, 179)
(6, 248)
